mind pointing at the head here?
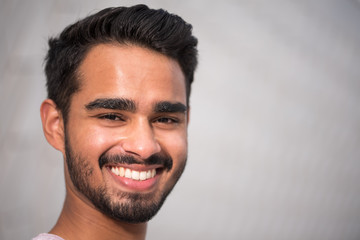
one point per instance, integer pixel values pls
(157, 30)
(118, 86)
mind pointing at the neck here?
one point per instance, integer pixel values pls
(79, 220)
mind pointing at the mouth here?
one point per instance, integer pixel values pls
(135, 177)
(133, 174)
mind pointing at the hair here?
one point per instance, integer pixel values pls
(138, 25)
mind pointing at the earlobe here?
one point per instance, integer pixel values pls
(53, 124)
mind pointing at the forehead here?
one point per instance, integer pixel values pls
(114, 70)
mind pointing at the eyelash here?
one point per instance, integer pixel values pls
(112, 117)
(167, 119)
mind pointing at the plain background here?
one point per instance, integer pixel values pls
(275, 122)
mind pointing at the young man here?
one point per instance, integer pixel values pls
(118, 88)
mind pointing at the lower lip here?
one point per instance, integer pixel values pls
(134, 185)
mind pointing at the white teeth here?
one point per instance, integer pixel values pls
(142, 175)
(135, 175)
(128, 173)
(122, 172)
(148, 174)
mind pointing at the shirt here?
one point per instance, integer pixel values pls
(47, 236)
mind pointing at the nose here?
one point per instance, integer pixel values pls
(141, 140)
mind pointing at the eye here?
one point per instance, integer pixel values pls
(167, 120)
(112, 117)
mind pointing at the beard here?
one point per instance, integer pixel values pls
(119, 205)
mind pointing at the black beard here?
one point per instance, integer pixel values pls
(138, 207)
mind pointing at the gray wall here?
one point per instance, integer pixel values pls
(274, 132)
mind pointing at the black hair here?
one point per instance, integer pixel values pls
(138, 25)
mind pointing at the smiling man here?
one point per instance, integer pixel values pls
(118, 88)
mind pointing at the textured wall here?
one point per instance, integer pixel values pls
(274, 132)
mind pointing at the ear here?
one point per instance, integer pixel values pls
(53, 124)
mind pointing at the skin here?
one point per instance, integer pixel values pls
(127, 72)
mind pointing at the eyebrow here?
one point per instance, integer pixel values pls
(170, 107)
(112, 103)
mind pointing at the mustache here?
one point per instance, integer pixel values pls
(156, 159)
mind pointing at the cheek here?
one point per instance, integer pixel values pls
(90, 142)
(176, 146)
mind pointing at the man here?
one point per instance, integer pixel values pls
(118, 88)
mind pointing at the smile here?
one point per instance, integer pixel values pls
(132, 174)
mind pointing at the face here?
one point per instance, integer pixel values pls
(126, 133)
